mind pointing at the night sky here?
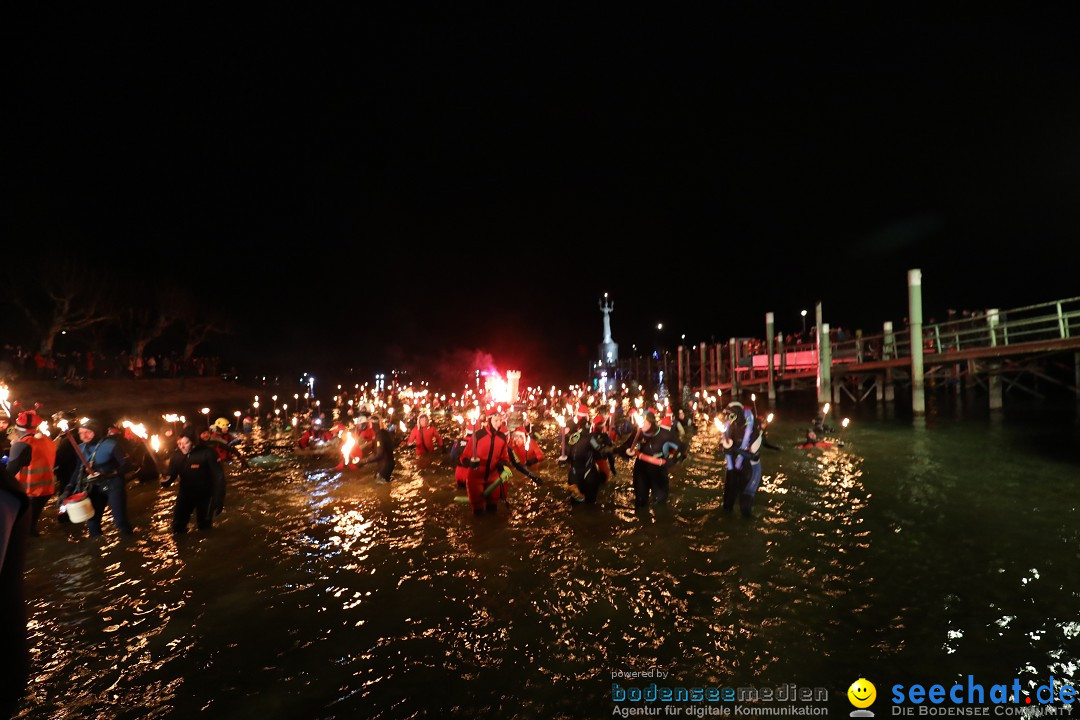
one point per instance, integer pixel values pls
(363, 189)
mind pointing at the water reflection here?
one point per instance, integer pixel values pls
(322, 594)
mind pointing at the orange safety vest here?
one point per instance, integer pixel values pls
(37, 477)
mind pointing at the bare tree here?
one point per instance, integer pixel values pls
(142, 325)
(198, 320)
(146, 316)
(68, 300)
(200, 330)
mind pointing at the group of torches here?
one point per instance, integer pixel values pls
(466, 407)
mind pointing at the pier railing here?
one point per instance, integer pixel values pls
(711, 365)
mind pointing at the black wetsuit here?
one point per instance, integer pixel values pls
(583, 455)
(384, 454)
(202, 487)
(654, 478)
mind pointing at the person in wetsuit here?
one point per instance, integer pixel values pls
(104, 481)
(202, 482)
(742, 447)
(383, 457)
(587, 445)
(655, 450)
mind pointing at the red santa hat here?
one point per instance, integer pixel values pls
(27, 421)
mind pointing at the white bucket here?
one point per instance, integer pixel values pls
(79, 508)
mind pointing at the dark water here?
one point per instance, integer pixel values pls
(920, 551)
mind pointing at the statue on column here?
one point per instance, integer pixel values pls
(609, 349)
(606, 306)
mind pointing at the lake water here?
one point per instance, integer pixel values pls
(921, 551)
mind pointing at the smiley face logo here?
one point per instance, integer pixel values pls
(862, 693)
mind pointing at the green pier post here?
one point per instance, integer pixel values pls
(918, 397)
(769, 322)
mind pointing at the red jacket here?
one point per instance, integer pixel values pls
(525, 447)
(426, 439)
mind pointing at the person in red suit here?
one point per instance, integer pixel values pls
(488, 458)
(424, 436)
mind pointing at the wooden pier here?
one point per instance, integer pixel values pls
(992, 349)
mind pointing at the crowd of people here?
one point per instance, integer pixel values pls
(77, 365)
(86, 464)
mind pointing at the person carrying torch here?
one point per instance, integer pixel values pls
(489, 460)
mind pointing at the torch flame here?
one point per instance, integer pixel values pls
(139, 429)
(498, 389)
(346, 448)
(155, 442)
(846, 422)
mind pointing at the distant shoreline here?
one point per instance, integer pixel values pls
(117, 397)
